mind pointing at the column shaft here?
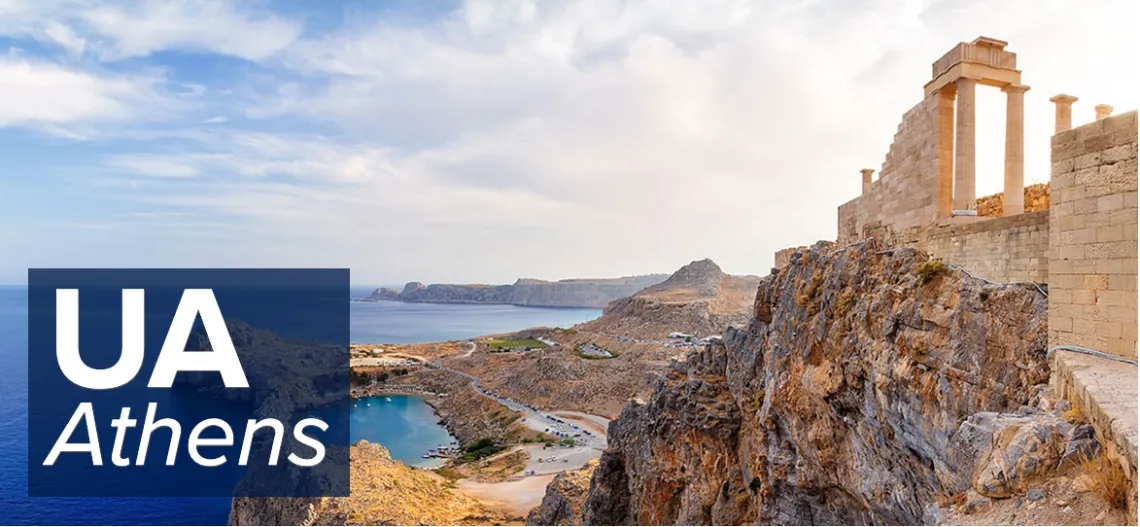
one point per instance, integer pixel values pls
(1063, 114)
(964, 176)
(1014, 197)
(945, 191)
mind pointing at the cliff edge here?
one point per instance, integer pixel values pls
(870, 386)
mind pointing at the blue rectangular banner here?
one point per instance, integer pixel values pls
(178, 382)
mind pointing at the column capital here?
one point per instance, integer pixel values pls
(1103, 111)
(968, 81)
(1015, 88)
(1063, 99)
(866, 171)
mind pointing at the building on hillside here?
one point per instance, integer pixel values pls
(1075, 236)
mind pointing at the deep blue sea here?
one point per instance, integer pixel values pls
(405, 425)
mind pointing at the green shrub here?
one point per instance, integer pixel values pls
(930, 270)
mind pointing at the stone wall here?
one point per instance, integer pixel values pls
(783, 255)
(906, 193)
(1093, 242)
(1009, 249)
(1036, 198)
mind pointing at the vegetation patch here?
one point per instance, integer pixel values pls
(930, 270)
(1106, 479)
(514, 344)
(476, 450)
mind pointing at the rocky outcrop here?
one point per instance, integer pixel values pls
(698, 299)
(565, 494)
(576, 292)
(866, 383)
(384, 492)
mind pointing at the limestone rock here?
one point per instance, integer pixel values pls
(837, 403)
(565, 494)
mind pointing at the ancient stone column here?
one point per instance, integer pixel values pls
(945, 184)
(964, 182)
(1103, 111)
(1064, 112)
(867, 179)
(1014, 196)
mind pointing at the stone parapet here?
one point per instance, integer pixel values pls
(1105, 392)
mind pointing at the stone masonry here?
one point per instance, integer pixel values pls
(1036, 197)
(1092, 237)
(1077, 234)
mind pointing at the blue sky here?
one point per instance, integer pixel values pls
(481, 141)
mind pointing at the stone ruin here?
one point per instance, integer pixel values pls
(1077, 233)
(1077, 239)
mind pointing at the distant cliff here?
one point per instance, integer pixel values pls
(574, 292)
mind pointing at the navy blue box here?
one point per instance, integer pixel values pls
(290, 331)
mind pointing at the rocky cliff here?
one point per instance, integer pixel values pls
(576, 292)
(565, 494)
(698, 298)
(866, 384)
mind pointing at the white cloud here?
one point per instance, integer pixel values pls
(591, 138)
(34, 92)
(140, 28)
(152, 165)
(119, 30)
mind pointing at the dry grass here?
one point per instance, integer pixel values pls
(1105, 479)
(1073, 415)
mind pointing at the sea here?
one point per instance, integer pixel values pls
(405, 425)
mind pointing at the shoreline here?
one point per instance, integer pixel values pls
(427, 463)
(461, 303)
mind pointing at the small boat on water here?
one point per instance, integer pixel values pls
(387, 399)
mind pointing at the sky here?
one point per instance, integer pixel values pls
(483, 141)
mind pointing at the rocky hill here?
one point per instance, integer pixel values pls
(698, 299)
(565, 495)
(384, 492)
(870, 386)
(574, 292)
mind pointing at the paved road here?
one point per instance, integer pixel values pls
(533, 418)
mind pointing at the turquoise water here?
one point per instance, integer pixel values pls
(406, 425)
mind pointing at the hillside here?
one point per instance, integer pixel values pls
(698, 299)
(573, 292)
(384, 492)
(870, 386)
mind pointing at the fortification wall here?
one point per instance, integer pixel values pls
(1092, 237)
(1009, 249)
(906, 193)
(1036, 198)
(784, 255)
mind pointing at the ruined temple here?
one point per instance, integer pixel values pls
(932, 362)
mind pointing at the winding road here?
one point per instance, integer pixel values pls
(534, 419)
